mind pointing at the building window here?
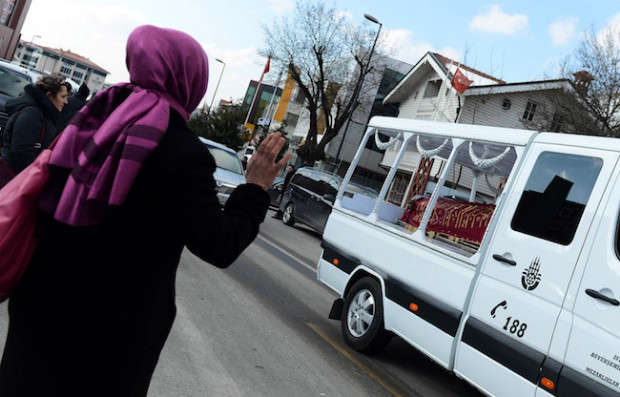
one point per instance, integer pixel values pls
(292, 119)
(397, 189)
(300, 97)
(557, 123)
(506, 104)
(432, 89)
(6, 11)
(530, 110)
(78, 75)
(65, 71)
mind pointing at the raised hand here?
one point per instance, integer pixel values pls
(262, 168)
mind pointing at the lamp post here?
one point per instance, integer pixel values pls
(33, 37)
(216, 87)
(359, 88)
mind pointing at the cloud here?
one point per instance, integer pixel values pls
(612, 29)
(399, 43)
(563, 31)
(280, 6)
(98, 32)
(497, 21)
(344, 14)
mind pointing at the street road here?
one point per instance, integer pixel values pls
(260, 328)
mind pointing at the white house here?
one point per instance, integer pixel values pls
(426, 93)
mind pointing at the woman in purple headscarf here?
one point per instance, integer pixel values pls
(130, 186)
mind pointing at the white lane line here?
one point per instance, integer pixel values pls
(293, 257)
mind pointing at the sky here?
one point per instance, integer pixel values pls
(514, 40)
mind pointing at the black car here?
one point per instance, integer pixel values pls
(310, 196)
(274, 192)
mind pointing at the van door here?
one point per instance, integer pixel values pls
(593, 351)
(528, 265)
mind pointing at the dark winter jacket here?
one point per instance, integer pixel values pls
(75, 103)
(25, 126)
(100, 301)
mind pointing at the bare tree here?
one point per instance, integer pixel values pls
(327, 57)
(593, 106)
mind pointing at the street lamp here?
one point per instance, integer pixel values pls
(216, 86)
(359, 88)
(33, 37)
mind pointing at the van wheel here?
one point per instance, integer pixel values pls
(287, 217)
(362, 317)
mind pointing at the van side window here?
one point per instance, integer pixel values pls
(466, 200)
(555, 196)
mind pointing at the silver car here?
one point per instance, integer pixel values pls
(229, 172)
(13, 79)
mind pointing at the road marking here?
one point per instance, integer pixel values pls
(293, 257)
(345, 352)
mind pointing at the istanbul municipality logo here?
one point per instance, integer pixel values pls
(531, 275)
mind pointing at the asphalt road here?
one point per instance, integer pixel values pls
(260, 328)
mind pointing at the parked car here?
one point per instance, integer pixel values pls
(229, 173)
(274, 191)
(249, 151)
(311, 194)
(13, 79)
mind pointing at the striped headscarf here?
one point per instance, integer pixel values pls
(106, 144)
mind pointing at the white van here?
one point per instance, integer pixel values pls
(500, 260)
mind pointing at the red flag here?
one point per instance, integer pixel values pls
(460, 82)
(267, 66)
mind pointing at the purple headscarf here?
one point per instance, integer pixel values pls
(112, 136)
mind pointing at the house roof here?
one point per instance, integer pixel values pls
(444, 67)
(451, 65)
(74, 57)
(506, 88)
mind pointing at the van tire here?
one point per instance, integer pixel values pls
(362, 317)
(288, 216)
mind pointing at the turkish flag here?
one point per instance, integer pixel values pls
(460, 82)
(267, 66)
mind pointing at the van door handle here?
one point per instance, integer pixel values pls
(500, 258)
(597, 295)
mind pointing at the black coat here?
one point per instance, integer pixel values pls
(74, 104)
(38, 114)
(93, 310)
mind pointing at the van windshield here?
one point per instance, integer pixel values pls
(226, 160)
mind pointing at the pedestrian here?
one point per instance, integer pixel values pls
(75, 103)
(130, 186)
(32, 124)
(290, 171)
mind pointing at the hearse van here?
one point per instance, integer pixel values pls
(493, 251)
